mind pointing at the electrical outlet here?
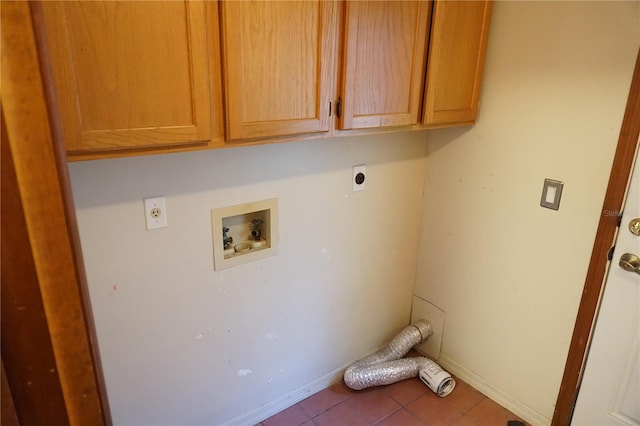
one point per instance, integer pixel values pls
(359, 178)
(155, 213)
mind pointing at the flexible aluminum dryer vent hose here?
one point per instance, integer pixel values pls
(387, 365)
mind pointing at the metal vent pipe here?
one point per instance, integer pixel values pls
(387, 366)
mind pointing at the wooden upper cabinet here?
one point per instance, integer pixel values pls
(456, 60)
(131, 77)
(384, 52)
(131, 74)
(279, 66)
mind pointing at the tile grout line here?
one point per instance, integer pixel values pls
(456, 419)
(464, 412)
(400, 407)
(328, 408)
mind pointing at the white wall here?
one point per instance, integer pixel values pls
(177, 337)
(508, 273)
(182, 344)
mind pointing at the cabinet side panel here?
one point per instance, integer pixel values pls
(215, 73)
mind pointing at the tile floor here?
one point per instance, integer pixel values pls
(405, 403)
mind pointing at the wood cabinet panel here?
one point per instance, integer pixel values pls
(384, 62)
(130, 74)
(131, 77)
(280, 66)
(456, 60)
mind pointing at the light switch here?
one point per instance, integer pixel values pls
(550, 197)
(551, 192)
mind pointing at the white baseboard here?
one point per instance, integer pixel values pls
(527, 413)
(265, 411)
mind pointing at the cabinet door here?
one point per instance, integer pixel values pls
(384, 62)
(280, 65)
(456, 60)
(129, 74)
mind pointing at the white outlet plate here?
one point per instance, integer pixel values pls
(362, 168)
(155, 213)
(422, 309)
